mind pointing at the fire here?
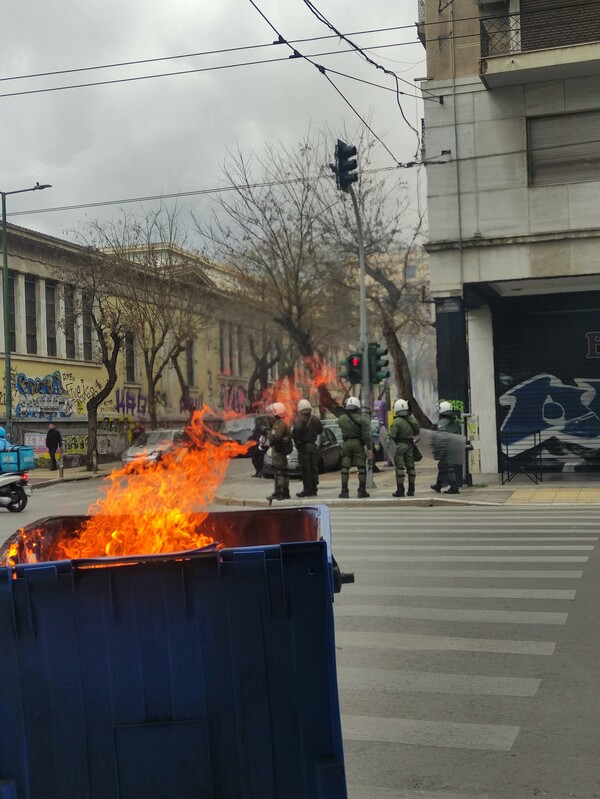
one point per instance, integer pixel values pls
(158, 508)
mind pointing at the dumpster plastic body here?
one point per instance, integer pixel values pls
(197, 675)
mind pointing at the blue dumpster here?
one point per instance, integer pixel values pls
(197, 675)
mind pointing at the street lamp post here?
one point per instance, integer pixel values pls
(7, 365)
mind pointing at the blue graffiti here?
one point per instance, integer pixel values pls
(42, 397)
(544, 403)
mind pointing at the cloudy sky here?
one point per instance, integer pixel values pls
(163, 135)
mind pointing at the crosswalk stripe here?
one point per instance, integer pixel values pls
(499, 737)
(441, 643)
(460, 547)
(484, 593)
(451, 539)
(474, 558)
(356, 791)
(376, 680)
(452, 614)
(471, 574)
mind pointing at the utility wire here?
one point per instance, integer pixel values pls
(323, 71)
(434, 161)
(179, 72)
(322, 18)
(205, 53)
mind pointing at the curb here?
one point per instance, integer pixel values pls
(356, 503)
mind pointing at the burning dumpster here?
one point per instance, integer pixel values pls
(202, 674)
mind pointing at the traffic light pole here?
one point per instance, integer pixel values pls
(364, 332)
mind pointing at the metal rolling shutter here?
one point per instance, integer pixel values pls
(546, 380)
(564, 148)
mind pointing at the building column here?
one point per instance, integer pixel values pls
(483, 387)
(20, 335)
(61, 345)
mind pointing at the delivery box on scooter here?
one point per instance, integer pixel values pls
(17, 460)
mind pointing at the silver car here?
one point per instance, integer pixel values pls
(150, 447)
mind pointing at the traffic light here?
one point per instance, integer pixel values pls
(355, 368)
(343, 368)
(379, 363)
(345, 165)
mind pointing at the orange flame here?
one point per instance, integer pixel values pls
(157, 508)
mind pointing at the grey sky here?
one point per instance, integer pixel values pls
(171, 134)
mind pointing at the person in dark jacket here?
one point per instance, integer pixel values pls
(280, 441)
(447, 424)
(53, 443)
(307, 428)
(257, 453)
(403, 430)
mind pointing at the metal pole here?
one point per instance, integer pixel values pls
(364, 332)
(5, 306)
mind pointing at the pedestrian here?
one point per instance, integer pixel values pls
(280, 441)
(53, 443)
(403, 431)
(307, 428)
(257, 453)
(356, 446)
(447, 425)
(138, 429)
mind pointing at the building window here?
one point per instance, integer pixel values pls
(51, 318)
(70, 321)
(222, 345)
(31, 314)
(564, 148)
(86, 321)
(189, 363)
(130, 375)
(12, 318)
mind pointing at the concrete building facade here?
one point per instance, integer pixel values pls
(512, 147)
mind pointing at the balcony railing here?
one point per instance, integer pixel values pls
(540, 30)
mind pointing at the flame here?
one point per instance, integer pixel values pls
(158, 507)
(303, 384)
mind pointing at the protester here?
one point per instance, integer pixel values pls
(53, 443)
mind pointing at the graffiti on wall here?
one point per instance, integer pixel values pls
(566, 416)
(233, 398)
(42, 397)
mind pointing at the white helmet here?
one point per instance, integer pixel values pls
(401, 407)
(276, 408)
(445, 407)
(304, 405)
(352, 402)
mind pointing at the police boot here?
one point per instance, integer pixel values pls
(285, 494)
(275, 495)
(344, 493)
(362, 491)
(452, 490)
(411, 489)
(399, 492)
(304, 493)
(437, 487)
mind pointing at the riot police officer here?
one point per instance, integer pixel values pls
(447, 424)
(403, 430)
(307, 429)
(356, 447)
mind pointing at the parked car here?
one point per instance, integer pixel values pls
(240, 428)
(330, 456)
(334, 426)
(150, 447)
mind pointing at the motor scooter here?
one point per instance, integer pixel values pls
(14, 491)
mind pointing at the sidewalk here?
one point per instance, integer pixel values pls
(239, 488)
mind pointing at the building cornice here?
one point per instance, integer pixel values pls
(504, 241)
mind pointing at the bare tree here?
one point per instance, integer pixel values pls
(165, 288)
(93, 287)
(395, 295)
(267, 235)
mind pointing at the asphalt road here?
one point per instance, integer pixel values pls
(468, 649)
